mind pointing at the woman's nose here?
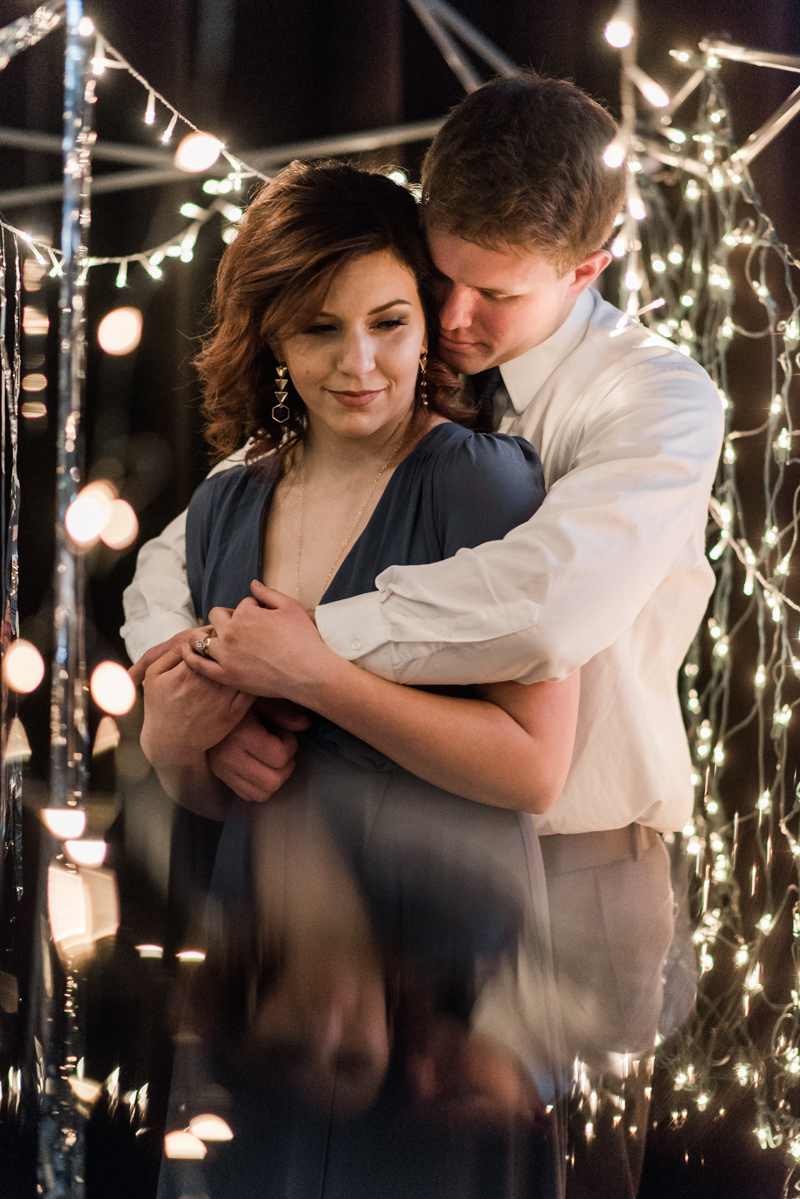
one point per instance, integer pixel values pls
(457, 308)
(356, 355)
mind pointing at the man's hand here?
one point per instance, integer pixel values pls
(253, 760)
(266, 646)
(184, 714)
(174, 645)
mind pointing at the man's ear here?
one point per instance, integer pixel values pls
(587, 271)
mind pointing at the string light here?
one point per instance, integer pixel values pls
(685, 259)
(166, 136)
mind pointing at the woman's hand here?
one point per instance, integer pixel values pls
(267, 646)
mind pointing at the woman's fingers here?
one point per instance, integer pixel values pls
(205, 666)
(139, 668)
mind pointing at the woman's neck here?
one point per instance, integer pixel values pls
(326, 454)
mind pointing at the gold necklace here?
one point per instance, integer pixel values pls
(353, 526)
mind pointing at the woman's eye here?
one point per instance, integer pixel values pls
(393, 322)
(320, 328)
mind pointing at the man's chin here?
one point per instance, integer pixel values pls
(466, 361)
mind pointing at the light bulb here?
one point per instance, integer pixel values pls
(197, 152)
(653, 92)
(636, 206)
(112, 688)
(618, 32)
(614, 153)
(120, 331)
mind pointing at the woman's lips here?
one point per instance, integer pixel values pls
(355, 399)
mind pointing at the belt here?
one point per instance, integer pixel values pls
(565, 852)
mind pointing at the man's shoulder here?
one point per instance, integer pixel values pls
(627, 344)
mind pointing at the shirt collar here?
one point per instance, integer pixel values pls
(523, 376)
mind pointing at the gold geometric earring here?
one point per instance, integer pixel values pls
(281, 411)
(423, 379)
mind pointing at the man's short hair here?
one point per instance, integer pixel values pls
(519, 163)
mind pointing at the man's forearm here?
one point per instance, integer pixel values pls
(193, 786)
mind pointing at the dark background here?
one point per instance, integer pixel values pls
(260, 73)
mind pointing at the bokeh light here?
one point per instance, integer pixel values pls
(18, 747)
(89, 513)
(86, 853)
(150, 951)
(120, 331)
(65, 822)
(184, 1145)
(112, 688)
(210, 1128)
(85, 1088)
(106, 738)
(23, 666)
(197, 152)
(34, 382)
(122, 526)
(33, 409)
(619, 32)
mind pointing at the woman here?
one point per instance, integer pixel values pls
(324, 357)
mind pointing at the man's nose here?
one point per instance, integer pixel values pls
(457, 307)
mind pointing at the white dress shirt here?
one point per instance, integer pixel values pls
(609, 575)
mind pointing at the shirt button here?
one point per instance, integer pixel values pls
(355, 643)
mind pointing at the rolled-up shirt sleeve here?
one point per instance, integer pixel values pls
(563, 586)
(158, 602)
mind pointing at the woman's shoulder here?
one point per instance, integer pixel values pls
(483, 484)
(230, 484)
(457, 453)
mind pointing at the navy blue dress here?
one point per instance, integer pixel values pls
(448, 882)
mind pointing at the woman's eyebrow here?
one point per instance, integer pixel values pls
(372, 311)
(391, 304)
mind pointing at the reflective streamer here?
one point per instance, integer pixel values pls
(27, 31)
(11, 778)
(57, 980)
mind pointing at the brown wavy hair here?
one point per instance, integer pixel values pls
(301, 228)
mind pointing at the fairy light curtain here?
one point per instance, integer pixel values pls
(694, 231)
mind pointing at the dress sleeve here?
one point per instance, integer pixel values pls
(489, 485)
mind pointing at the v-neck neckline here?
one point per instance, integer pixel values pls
(262, 524)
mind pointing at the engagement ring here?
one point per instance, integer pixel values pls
(201, 646)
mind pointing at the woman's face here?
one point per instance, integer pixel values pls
(356, 365)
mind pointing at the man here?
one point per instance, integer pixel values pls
(608, 576)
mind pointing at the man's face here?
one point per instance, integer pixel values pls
(496, 304)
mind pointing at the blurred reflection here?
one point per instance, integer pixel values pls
(360, 942)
